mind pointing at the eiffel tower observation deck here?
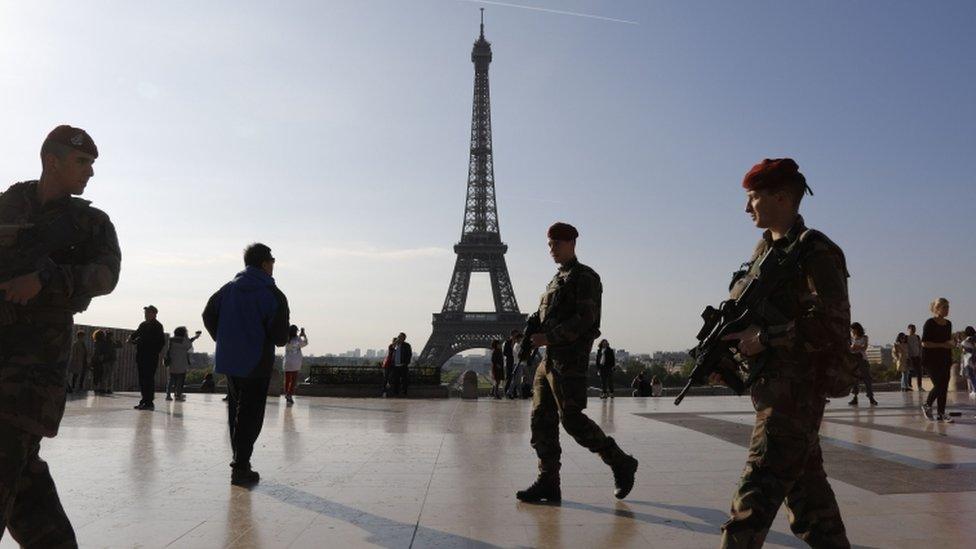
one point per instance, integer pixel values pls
(480, 249)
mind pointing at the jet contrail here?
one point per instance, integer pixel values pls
(548, 10)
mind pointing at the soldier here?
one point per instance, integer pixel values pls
(72, 255)
(569, 316)
(785, 462)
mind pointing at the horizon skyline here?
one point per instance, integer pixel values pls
(338, 136)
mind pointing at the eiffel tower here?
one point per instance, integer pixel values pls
(481, 249)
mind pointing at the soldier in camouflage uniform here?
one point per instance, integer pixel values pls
(36, 325)
(785, 462)
(569, 316)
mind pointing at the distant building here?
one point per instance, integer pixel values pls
(879, 355)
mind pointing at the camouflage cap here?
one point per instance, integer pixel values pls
(73, 138)
(562, 231)
(773, 172)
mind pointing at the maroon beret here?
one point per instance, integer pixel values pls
(73, 138)
(562, 231)
(773, 172)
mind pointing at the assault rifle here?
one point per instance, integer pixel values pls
(24, 248)
(713, 354)
(532, 326)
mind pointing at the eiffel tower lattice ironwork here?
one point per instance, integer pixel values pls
(481, 249)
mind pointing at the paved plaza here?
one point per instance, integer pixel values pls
(443, 473)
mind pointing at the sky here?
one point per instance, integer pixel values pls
(337, 133)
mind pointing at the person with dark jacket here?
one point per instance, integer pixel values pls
(606, 360)
(402, 355)
(248, 318)
(641, 386)
(149, 339)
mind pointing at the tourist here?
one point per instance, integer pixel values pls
(915, 355)
(899, 353)
(247, 318)
(497, 368)
(657, 388)
(402, 355)
(605, 362)
(149, 339)
(859, 345)
(293, 360)
(388, 371)
(968, 361)
(508, 349)
(208, 385)
(640, 385)
(937, 358)
(104, 352)
(178, 361)
(78, 364)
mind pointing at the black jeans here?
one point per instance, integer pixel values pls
(917, 367)
(509, 372)
(401, 378)
(606, 380)
(176, 384)
(387, 380)
(246, 399)
(940, 380)
(864, 370)
(147, 378)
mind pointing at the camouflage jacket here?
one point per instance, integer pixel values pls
(569, 312)
(814, 306)
(35, 339)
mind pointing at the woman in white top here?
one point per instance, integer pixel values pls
(859, 345)
(177, 359)
(293, 360)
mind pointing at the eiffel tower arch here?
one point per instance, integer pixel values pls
(481, 249)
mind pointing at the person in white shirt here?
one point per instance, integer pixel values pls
(968, 362)
(293, 360)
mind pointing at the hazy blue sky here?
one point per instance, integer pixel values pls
(337, 132)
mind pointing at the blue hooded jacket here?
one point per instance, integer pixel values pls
(247, 318)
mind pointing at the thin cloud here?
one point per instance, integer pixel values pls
(550, 10)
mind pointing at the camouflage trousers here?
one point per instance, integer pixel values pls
(785, 464)
(29, 505)
(558, 398)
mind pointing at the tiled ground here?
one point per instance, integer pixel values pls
(442, 473)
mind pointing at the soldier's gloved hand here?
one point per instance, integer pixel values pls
(22, 289)
(714, 378)
(539, 340)
(749, 344)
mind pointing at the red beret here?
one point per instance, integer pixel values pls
(773, 172)
(562, 231)
(73, 138)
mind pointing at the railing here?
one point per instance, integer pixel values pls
(367, 375)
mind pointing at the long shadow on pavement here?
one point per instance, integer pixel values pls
(383, 532)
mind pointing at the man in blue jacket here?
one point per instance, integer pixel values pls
(247, 318)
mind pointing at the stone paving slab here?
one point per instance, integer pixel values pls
(442, 473)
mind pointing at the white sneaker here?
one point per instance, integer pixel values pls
(946, 419)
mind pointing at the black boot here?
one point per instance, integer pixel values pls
(244, 476)
(546, 488)
(623, 477)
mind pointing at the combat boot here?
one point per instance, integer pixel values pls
(244, 476)
(545, 488)
(624, 473)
